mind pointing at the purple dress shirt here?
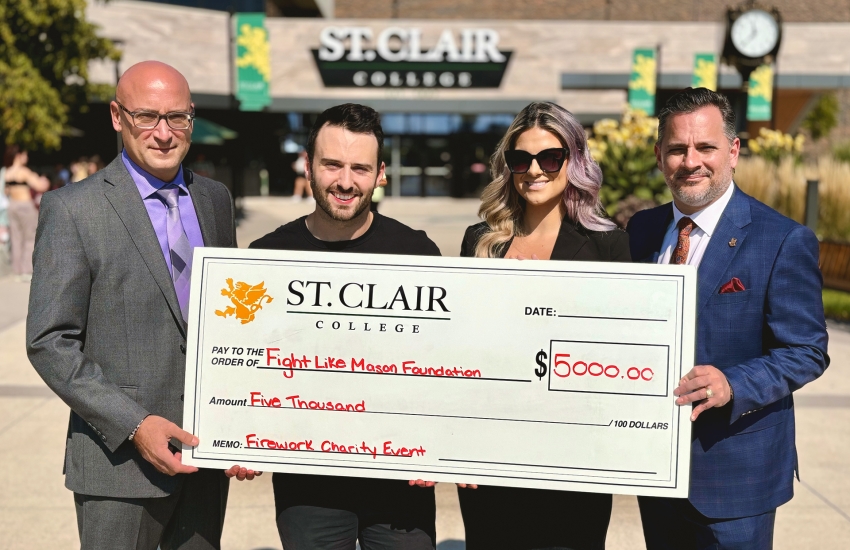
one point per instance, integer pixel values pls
(148, 185)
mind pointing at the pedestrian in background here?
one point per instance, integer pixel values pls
(79, 169)
(4, 223)
(21, 185)
(378, 194)
(61, 177)
(95, 164)
(302, 185)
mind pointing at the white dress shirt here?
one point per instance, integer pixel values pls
(706, 221)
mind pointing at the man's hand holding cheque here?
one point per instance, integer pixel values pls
(705, 384)
(241, 473)
(152, 438)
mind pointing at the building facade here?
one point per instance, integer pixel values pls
(448, 77)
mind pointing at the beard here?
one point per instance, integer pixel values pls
(340, 215)
(700, 197)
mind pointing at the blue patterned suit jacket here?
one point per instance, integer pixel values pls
(768, 340)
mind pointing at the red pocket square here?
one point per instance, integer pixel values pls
(735, 285)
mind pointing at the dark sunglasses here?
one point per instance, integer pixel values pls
(549, 160)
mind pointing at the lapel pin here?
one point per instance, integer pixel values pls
(733, 241)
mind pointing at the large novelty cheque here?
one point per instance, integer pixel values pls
(556, 375)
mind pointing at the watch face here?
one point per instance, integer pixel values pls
(755, 33)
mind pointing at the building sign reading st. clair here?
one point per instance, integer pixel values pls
(355, 57)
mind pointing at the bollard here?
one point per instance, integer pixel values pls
(812, 204)
(264, 183)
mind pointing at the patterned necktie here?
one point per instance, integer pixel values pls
(179, 247)
(680, 253)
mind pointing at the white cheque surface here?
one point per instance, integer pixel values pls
(555, 375)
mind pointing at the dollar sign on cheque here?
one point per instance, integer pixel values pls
(540, 371)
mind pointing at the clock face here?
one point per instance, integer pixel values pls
(755, 33)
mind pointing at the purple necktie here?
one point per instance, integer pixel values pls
(180, 249)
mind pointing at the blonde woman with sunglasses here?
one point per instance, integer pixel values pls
(542, 204)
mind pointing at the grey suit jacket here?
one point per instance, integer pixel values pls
(104, 328)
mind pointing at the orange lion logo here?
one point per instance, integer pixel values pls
(247, 300)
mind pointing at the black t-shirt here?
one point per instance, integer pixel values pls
(384, 236)
(380, 500)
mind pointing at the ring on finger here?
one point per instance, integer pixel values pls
(708, 393)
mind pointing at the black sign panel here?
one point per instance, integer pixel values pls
(380, 73)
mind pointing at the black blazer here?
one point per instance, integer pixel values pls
(574, 242)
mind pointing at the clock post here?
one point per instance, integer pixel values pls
(753, 37)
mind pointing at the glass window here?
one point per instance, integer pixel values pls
(295, 121)
(421, 123)
(393, 124)
(491, 123)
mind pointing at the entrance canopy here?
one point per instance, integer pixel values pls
(209, 133)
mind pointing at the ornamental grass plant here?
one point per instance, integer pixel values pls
(834, 191)
(782, 186)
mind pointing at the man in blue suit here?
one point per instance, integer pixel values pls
(761, 332)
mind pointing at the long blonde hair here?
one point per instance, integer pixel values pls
(501, 205)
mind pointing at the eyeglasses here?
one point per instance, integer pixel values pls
(147, 120)
(549, 160)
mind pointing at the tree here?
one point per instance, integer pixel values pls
(45, 49)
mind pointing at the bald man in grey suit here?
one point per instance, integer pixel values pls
(107, 323)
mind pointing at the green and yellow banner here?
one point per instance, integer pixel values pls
(705, 71)
(760, 94)
(253, 65)
(643, 82)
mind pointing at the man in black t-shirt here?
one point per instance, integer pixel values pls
(327, 512)
(383, 235)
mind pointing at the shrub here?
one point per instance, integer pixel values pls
(836, 304)
(774, 146)
(625, 151)
(782, 186)
(841, 153)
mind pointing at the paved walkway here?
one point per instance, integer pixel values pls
(36, 511)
